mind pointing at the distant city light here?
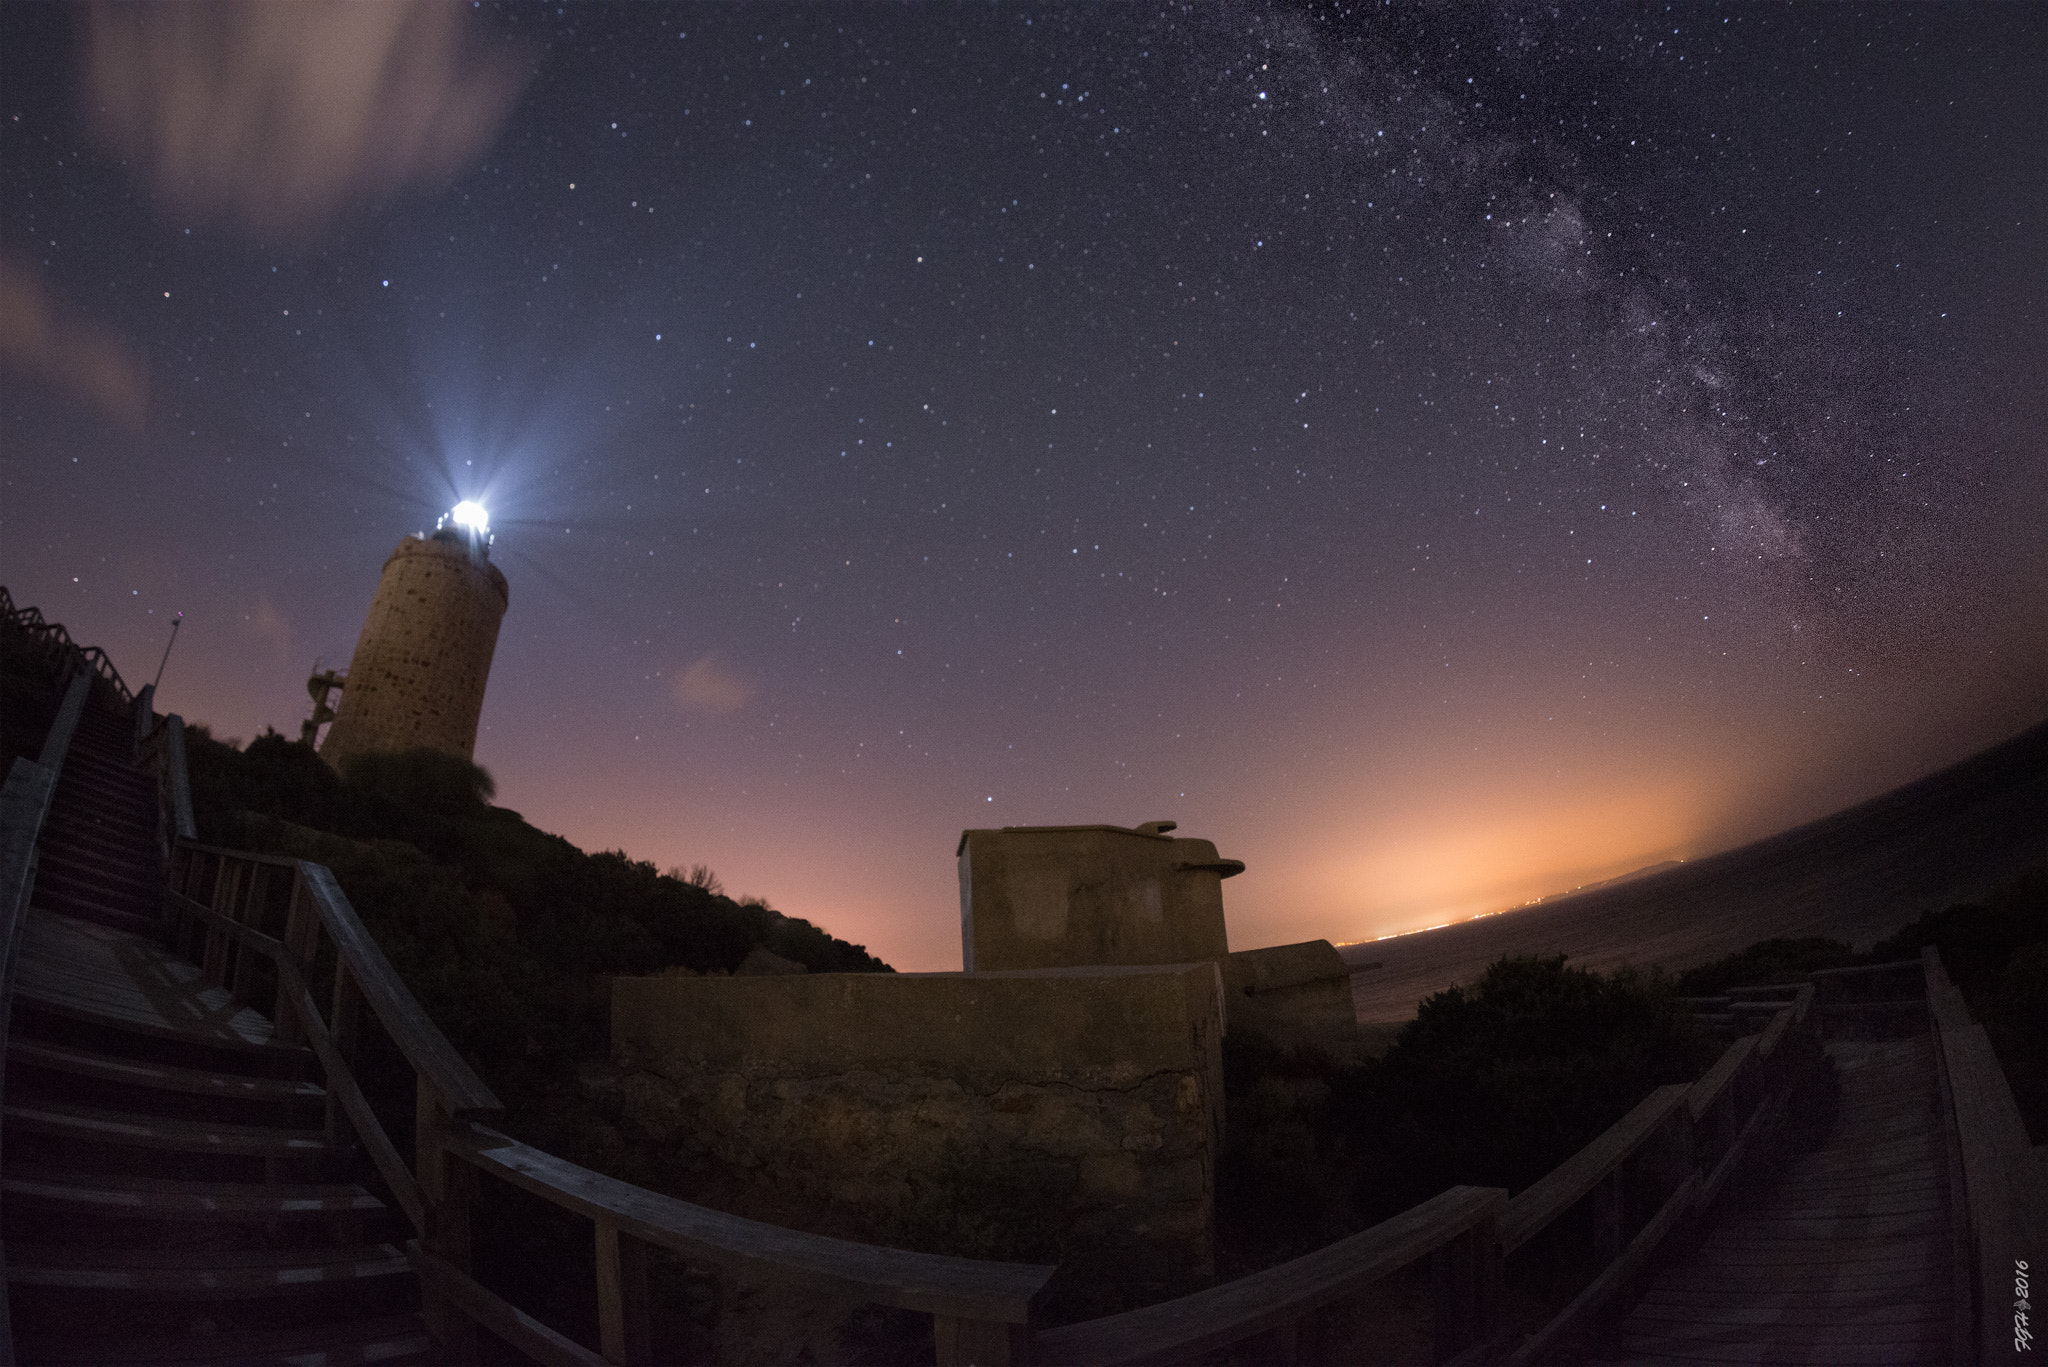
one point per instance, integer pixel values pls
(472, 516)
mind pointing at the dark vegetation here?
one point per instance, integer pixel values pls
(1496, 1083)
(508, 936)
(1995, 951)
(1493, 1085)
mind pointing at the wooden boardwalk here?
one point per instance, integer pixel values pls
(1847, 1256)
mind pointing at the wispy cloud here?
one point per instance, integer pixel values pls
(40, 334)
(271, 626)
(277, 116)
(709, 686)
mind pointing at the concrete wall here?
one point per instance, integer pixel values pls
(1293, 995)
(417, 678)
(1071, 1115)
(1067, 896)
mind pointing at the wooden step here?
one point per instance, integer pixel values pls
(126, 827)
(96, 827)
(201, 1274)
(113, 980)
(114, 916)
(399, 1338)
(64, 886)
(65, 1058)
(135, 869)
(95, 774)
(147, 1198)
(91, 775)
(91, 1125)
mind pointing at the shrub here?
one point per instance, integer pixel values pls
(1763, 963)
(1492, 1084)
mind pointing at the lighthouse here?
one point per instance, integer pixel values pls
(416, 680)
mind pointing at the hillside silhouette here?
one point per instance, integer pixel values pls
(508, 935)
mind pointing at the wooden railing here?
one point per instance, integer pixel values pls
(234, 913)
(50, 643)
(2004, 1202)
(161, 742)
(1651, 1176)
(1285, 1312)
(24, 805)
(1657, 1173)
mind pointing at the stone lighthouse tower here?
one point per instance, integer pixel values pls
(416, 681)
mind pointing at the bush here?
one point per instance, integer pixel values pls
(1501, 1083)
(1492, 1084)
(1979, 939)
(1764, 963)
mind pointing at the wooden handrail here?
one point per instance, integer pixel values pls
(24, 805)
(1712, 1084)
(1826, 975)
(1714, 1124)
(2005, 1201)
(437, 1062)
(244, 856)
(25, 801)
(1565, 1185)
(1278, 1296)
(1611, 1280)
(341, 1082)
(957, 1288)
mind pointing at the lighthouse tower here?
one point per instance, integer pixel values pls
(416, 681)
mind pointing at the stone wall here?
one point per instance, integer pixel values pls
(1070, 1115)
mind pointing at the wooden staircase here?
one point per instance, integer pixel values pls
(99, 856)
(170, 1190)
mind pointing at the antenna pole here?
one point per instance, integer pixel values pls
(180, 621)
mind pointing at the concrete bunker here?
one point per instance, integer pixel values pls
(1063, 1091)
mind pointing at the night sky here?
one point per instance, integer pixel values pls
(1442, 455)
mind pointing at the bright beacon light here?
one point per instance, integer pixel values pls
(472, 516)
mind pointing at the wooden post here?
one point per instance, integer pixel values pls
(298, 944)
(1671, 1157)
(1465, 1278)
(225, 888)
(344, 1022)
(1606, 1204)
(254, 890)
(624, 1332)
(449, 1186)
